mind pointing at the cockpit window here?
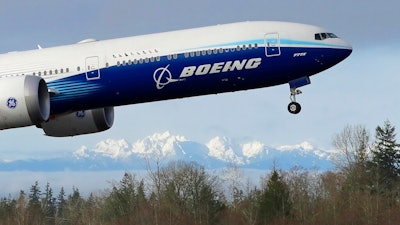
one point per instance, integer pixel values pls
(323, 36)
(332, 35)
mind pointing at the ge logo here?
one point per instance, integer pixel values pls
(80, 114)
(12, 103)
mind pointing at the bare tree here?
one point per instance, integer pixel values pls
(352, 144)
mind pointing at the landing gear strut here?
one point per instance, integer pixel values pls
(293, 106)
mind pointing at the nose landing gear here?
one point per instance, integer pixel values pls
(293, 106)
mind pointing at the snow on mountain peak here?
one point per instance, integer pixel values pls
(161, 144)
(81, 152)
(218, 149)
(110, 148)
(117, 154)
(252, 149)
(113, 148)
(221, 148)
(305, 146)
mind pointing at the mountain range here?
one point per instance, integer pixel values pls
(160, 148)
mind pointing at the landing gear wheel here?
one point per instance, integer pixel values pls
(294, 107)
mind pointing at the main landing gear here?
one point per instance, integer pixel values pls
(293, 106)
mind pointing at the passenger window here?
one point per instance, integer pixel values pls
(78, 68)
(56, 71)
(67, 70)
(62, 71)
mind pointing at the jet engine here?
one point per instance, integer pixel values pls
(24, 101)
(80, 122)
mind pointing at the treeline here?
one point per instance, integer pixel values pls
(363, 190)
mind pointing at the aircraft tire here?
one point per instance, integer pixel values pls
(294, 107)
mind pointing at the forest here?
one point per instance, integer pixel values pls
(363, 189)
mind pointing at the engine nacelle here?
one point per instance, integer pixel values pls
(81, 122)
(24, 101)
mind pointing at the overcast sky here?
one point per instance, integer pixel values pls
(361, 90)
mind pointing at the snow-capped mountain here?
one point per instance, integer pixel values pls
(160, 148)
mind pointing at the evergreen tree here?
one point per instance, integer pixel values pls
(385, 158)
(60, 204)
(121, 204)
(49, 204)
(274, 202)
(34, 206)
(34, 196)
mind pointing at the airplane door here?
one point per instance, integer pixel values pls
(92, 68)
(272, 44)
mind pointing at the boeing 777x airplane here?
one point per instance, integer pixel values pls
(71, 90)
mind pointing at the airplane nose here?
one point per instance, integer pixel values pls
(348, 49)
(348, 45)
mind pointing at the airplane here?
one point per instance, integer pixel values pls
(73, 89)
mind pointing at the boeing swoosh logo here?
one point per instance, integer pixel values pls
(162, 76)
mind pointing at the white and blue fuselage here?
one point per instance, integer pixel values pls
(101, 74)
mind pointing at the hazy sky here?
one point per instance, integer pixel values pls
(361, 90)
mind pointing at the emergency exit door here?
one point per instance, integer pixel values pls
(272, 44)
